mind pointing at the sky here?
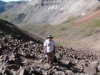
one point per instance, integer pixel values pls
(14, 0)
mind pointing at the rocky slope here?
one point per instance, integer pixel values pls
(19, 56)
(52, 12)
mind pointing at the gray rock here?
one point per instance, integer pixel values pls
(98, 68)
(21, 72)
(46, 66)
(94, 63)
(59, 73)
(69, 72)
(90, 70)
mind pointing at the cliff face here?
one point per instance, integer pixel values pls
(51, 11)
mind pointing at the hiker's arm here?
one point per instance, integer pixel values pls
(44, 49)
(45, 44)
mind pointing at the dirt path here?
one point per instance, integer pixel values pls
(89, 17)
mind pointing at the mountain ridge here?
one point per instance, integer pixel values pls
(51, 12)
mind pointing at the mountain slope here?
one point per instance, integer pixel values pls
(74, 23)
(85, 36)
(4, 6)
(89, 17)
(52, 12)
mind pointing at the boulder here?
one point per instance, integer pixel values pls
(98, 68)
(46, 66)
(21, 72)
(94, 63)
(59, 73)
(90, 70)
(69, 72)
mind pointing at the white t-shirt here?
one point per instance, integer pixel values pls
(49, 45)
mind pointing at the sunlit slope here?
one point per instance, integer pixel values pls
(78, 36)
(51, 12)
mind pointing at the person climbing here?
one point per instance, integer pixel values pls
(49, 48)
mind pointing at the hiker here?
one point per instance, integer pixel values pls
(49, 48)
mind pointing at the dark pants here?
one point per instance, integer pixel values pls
(50, 57)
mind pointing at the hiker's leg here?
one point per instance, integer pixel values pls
(52, 57)
(48, 55)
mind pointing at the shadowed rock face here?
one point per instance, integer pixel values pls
(10, 28)
(19, 56)
(50, 2)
